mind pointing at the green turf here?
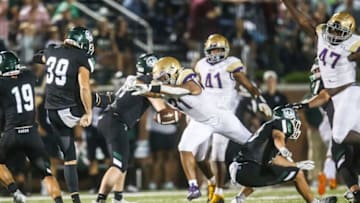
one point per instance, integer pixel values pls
(268, 195)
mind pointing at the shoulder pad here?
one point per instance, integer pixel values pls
(355, 44)
(185, 75)
(319, 29)
(234, 65)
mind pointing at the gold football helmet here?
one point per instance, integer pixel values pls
(166, 70)
(216, 41)
(339, 28)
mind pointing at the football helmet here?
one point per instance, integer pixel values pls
(81, 38)
(339, 28)
(145, 63)
(166, 70)
(9, 64)
(291, 115)
(216, 41)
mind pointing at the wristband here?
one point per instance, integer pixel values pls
(155, 88)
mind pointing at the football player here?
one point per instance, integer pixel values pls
(338, 52)
(68, 95)
(264, 160)
(219, 74)
(182, 90)
(117, 119)
(20, 129)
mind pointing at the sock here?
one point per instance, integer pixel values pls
(75, 198)
(329, 169)
(193, 182)
(12, 187)
(241, 196)
(58, 200)
(101, 197)
(118, 195)
(71, 178)
(212, 181)
(219, 191)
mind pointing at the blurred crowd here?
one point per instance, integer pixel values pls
(261, 33)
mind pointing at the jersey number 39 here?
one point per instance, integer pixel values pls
(56, 70)
(24, 97)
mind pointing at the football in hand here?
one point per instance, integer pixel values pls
(167, 116)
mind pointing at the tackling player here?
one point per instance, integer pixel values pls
(68, 94)
(338, 52)
(183, 91)
(117, 119)
(219, 74)
(20, 130)
(264, 160)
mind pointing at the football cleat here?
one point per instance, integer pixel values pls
(210, 191)
(349, 196)
(19, 197)
(321, 183)
(331, 199)
(332, 183)
(193, 193)
(217, 199)
(238, 199)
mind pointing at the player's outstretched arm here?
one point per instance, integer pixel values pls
(303, 21)
(85, 95)
(189, 88)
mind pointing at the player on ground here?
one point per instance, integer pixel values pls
(120, 116)
(264, 160)
(219, 74)
(338, 52)
(183, 91)
(68, 94)
(20, 130)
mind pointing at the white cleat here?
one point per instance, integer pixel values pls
(238, 199)
(19, 197)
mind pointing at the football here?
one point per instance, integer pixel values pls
(167, 116)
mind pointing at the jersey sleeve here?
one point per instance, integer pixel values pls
(284, 126)
(355, 47)
(87, 62)
(235, 66)
(185, 75)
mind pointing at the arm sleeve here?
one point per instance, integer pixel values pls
(235, 66)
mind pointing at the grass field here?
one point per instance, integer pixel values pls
(268, 195)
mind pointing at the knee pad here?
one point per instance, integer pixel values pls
(122, 165)
(43, 165)
(68, 148)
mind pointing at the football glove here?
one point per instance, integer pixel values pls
(306, 165)
(263, 106)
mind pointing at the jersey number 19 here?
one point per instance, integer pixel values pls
(56, 70)
(24, 98)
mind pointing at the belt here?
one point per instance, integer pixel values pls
(23, 129)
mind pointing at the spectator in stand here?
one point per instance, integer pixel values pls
(35, 13)
(163, 144)
(320, 14)
(272, 95)
(4, 22)
(105, 52)
(52, 36)
(26, 42)
(66, 5)
(202, 21)
(123, 47)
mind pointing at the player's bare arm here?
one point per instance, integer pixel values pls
(303, 21)
(85, 95)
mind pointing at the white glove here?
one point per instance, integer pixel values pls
(130, 82)
(263, 106)
(141, 89)
(306, 165)
(284, 152)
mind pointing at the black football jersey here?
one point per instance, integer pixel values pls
(18, 99)
(260, 147)
(129, 108)
(62, 68)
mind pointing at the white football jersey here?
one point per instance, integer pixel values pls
(336, 70)
(197, 107)
(219, 84)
